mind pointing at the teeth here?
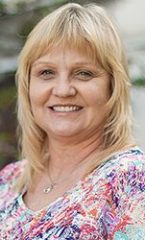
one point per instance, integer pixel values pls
(66, 108)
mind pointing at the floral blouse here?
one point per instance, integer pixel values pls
(109, 204)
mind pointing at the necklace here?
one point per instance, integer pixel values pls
(49, 188)
(52, 183)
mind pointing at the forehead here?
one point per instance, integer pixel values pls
(73, 53)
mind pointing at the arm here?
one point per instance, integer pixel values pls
(124, 215)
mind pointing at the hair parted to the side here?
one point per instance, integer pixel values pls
(75, 26)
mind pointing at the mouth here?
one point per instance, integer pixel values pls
(65, 108)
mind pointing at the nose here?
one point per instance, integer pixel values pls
(64, 88)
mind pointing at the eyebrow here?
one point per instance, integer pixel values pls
(40, 63)
(50, 63)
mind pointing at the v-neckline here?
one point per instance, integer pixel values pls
(68, 195)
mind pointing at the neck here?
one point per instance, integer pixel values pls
(66, 157)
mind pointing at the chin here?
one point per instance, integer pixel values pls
(63, 132)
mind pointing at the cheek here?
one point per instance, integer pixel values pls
(98, 90)
(103, 92)
(33, 96)
(37, 93)
(97, 96)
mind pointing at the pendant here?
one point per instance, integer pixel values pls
(48, 189)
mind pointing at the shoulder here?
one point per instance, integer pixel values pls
(126, 170)
(8, 177)
(11, 172)
(131, 156)
(125, 177)
(122, 171)
(132, 159)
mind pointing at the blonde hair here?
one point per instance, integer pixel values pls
(74, 25)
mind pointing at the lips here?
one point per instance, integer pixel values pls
(66, 108)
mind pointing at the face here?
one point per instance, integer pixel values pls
(68, 93)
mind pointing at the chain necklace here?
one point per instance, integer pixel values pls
(49, 188)
(52, 184)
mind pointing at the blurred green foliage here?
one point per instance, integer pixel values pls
(2, 7)
(140, 82)
(7, 96)
(8, 142)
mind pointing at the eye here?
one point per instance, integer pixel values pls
(47, 73)
(84, 75)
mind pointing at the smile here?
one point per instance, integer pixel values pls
(70, 108)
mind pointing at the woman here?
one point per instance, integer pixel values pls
(82, 177)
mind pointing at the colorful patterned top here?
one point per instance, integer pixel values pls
(109, 204)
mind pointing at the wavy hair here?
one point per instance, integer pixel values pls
(75, 26)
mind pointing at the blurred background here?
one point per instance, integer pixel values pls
(17, 18)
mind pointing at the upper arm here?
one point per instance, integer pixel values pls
(124, 214)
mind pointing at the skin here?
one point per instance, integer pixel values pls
(66, 77)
